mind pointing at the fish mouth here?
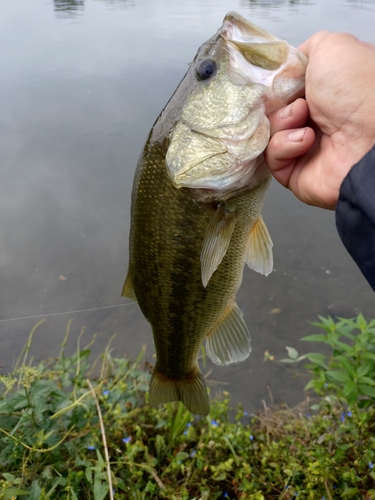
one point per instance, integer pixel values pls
(256, 55)
(237, 28)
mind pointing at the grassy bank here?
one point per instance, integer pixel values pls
(74, 430)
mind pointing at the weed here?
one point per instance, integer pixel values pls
(74, 430)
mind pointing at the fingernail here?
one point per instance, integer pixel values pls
(297, 135)
(286, 112)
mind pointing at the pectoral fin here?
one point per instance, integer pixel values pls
(216, 241)
(259, 248)
(191, 390)
(128, 290)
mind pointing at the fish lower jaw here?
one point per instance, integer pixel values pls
(246, 183)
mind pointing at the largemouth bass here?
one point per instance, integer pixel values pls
(198, 192)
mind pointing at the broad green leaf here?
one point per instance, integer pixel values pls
(101, 461)
(368, 355)
(181, 455)
(367, 390)
(349, 387)
(338, 375)
(348, 365)
(8, 477)
(366, 380)
(11, 493)
(292, 353)
(349, 335)
(100, 487)
(344, 347)
(220, 477)
(6, 406)
(361, 322)
(88, 473)
(310, 385)
(315, 338)
(74, 495)
(363, 370)
(345, 447)
(36, 490)
(349, 492)
(317, 358)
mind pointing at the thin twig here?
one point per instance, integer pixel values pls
(152, 472)
(65, 340)
(270, 395)
(26, 348)
(157, 479)
(104, 439)
(327, 489)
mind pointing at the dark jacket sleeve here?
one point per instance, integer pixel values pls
(355, 215)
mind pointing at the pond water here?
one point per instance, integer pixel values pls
(81, 83)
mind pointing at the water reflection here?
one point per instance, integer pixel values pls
(71, 8)
(118, 3)
(68, 8)
(362, 4)
(276, 3)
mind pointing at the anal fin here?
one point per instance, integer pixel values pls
(259, 248)
(128, 289)
(190, 390)
(216, 241)
(229, 342)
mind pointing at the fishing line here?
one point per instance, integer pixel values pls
(66, 312)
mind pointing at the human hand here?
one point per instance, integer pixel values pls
(312, 157)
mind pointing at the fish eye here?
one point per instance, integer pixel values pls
(206, 69)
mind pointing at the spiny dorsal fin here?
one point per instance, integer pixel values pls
(216, 241)
(191, 390)
(269, 55)
(259, 248)
(128, 290)
(229, 342)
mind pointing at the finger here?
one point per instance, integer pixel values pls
(283, 150)
(309, 45)
(292, 116)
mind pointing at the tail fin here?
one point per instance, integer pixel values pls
(191, 390)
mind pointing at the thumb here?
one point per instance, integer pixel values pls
(284, 149)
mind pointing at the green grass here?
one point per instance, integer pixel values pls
(70, 429)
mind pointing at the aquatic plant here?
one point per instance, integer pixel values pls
(71, 429)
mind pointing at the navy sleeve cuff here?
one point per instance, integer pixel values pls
(355, 215)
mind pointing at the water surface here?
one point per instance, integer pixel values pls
(81, 83)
